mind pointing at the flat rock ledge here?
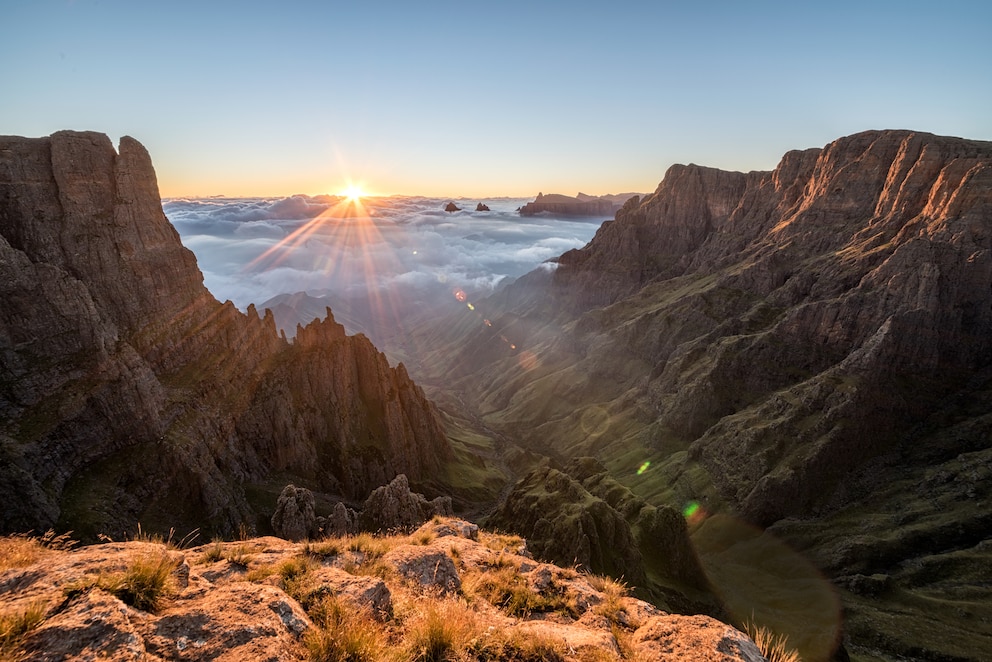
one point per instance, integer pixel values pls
(249, 600)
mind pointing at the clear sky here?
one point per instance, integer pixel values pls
(485, 98)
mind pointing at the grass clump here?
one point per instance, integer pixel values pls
(23, 549)
(502, 542)
(506, 589)
(323, 549)
(145, 584)
(773, 646)
(239, 555)
(342, 634)
(438, 632)
(213, 552)
(15, 624)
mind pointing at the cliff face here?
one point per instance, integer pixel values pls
(838, 295)
(127, 392)
(808, 349)
(564, 205)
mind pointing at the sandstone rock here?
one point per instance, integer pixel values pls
(295, 518)
(395, 507)
(451, 206)
(481, 207)
(429, 568)
(361, 592)
(672, 638)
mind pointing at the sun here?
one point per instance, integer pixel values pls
(353, 192)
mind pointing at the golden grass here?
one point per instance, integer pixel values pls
(14, 624)
(19, 550)
(341, 634)
(773, 646)
(145, 584)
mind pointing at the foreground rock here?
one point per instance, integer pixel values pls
(250, 600)
(130, 394)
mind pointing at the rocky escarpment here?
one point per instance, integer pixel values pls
(448, 591)
(802, 348)
(127, 392)
(564, 205)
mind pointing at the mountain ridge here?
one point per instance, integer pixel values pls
(130, 394)
(781, 347)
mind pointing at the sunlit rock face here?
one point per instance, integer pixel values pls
(127, 392)
(807, 349)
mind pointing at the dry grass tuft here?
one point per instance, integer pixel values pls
(14, 624)
(502, 542)
(213, 552)
(239, 555)
(23, 549)
(323, 549)
(773, 646)
(343, 635)
(145, 584)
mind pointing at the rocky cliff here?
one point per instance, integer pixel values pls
(804, 348)
(128, 393)
(564, 205)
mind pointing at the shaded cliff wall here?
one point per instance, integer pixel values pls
(128, 392)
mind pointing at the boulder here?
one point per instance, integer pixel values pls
(295, 518)
(672, 638)
(394, 507)
(428, 567)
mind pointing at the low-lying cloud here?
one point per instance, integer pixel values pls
(251, 250)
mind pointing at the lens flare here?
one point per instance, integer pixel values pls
(643, 467)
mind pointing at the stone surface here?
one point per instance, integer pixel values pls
(245, 611)
(295, 518)
(481, 207)
(451, 206)
(429, 568)
(394, 507)
(673, 638)
(130, 394)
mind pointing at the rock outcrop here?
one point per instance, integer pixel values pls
(481, 207)
(582, 517)
(564, 205)
(128, 393)
(451, 207)
(394, 507)
(264, 598)
(295, 517)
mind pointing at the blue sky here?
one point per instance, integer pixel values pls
(485, 98)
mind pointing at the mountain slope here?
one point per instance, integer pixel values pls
(127, 392)
(782, 346)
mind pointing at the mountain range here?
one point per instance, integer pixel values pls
(765, 395)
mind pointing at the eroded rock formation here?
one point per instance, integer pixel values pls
(127, 392)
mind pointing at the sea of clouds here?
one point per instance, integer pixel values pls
(407, 248)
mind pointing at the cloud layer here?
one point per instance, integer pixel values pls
(404, 248)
